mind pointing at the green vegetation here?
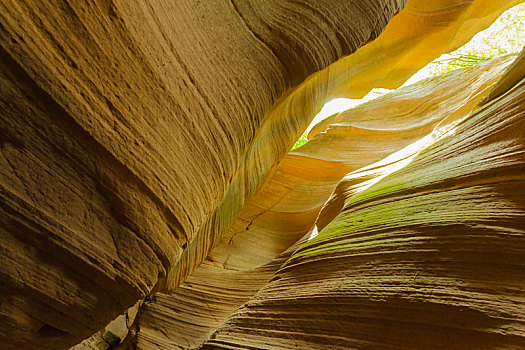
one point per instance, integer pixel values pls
(505, 36)
(301, 141)
(468, 60)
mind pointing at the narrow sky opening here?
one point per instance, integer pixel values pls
(505, 36)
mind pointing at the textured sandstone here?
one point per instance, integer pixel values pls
(133, 133)
(143, 156)
(286, 207)
(431, 256)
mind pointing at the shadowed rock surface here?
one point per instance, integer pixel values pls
(144, 156)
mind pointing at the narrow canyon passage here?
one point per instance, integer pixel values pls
(149, 198)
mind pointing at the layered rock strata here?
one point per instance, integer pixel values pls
(287, 206)
(128, 131)
(140, 141)
(431, 256)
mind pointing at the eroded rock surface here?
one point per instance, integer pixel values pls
(143, 155)
(431, 256)
(125, 125)
(287, 206)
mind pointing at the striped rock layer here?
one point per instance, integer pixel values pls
(429, 257)
(144, 157)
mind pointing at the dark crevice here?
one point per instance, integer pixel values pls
(50, 331)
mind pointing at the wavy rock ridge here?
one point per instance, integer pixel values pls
(144, 155)
(431, 256)
(260, 232)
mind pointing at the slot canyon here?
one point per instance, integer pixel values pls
(150, 199)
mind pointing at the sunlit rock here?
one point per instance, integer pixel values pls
(144, 151)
